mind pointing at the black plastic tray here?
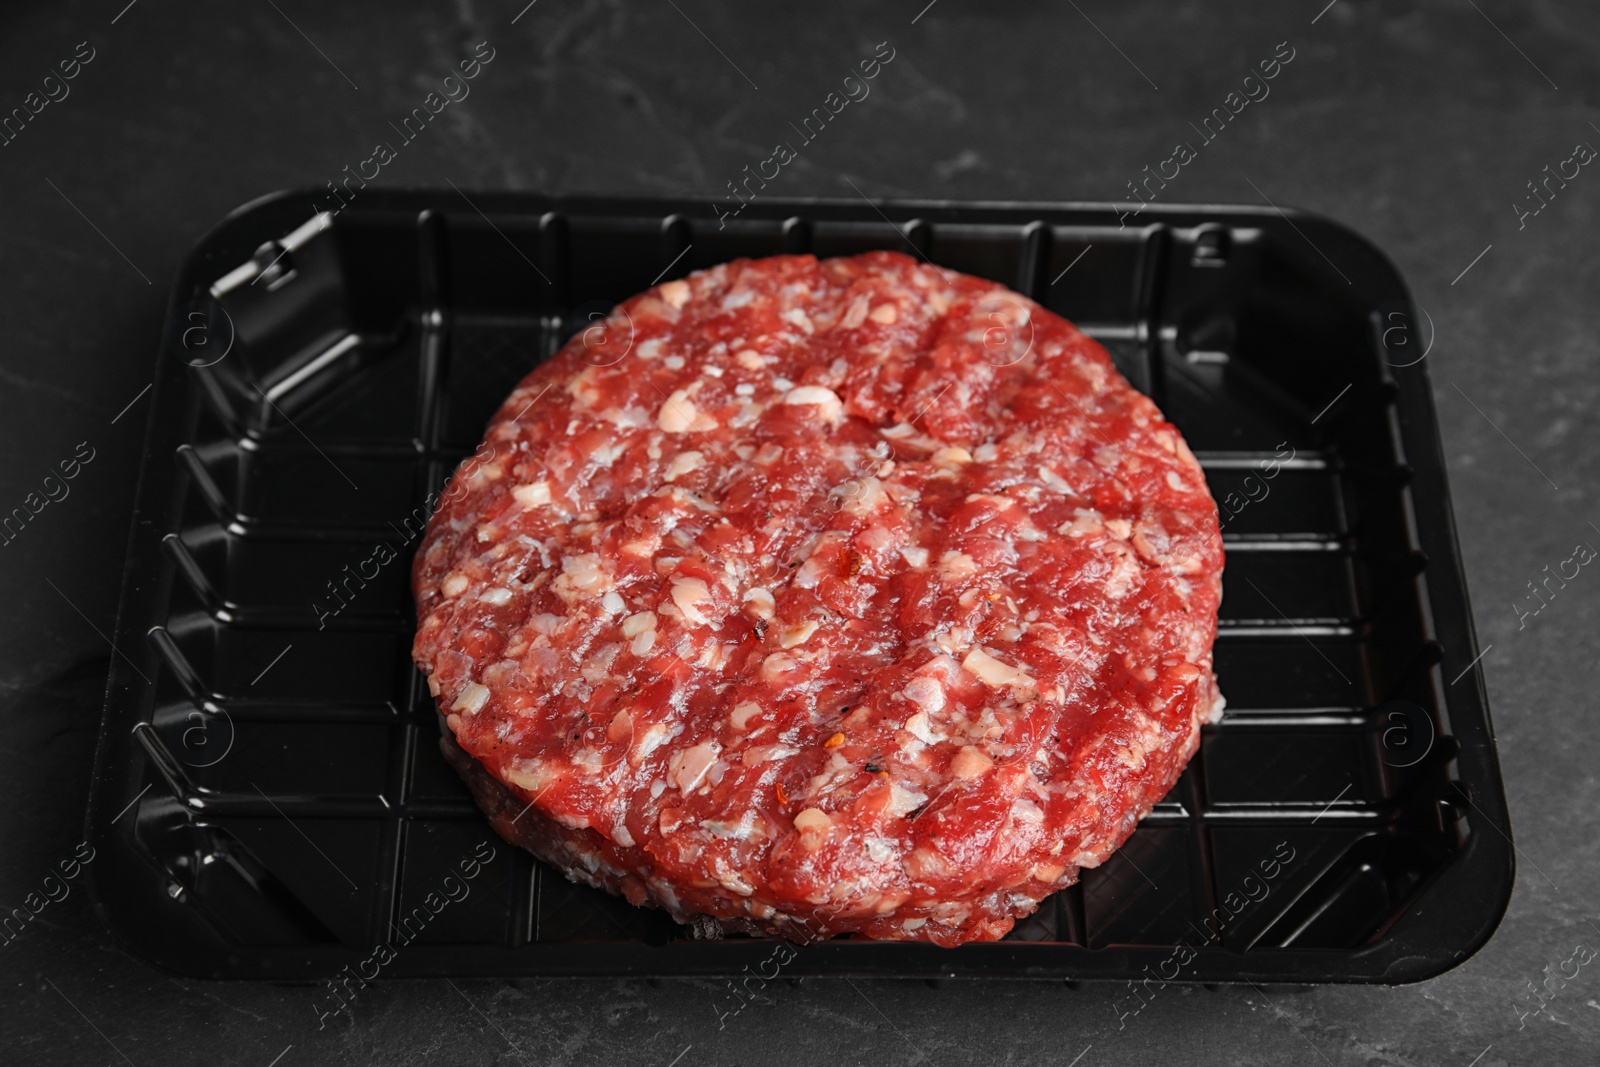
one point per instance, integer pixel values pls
(269, 796)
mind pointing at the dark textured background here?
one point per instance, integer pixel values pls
(1416, 123)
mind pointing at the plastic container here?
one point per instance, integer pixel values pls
(269, 797)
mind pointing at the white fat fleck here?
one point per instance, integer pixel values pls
(529, 774)
(1027, 531)
(761, 602)
(677, 413)
(869, 495)
(917, 557)
(777, 663)
(926, 693)
(993, 673)
(585, 573)
(675, 293)
(741, 829)
(688, 768)
(812, 819)
(760, 754)
(810, 573)
(1124, 570)
(613, 603)
(744, 389)
(797, 634)
(454, 585)
(1024, 810)
(533, 495)
(732, 882)
(970, 762)
(749, 414)
(875, 538)
(1218, 704)
(673, 363)
(917, 726)
(955, 640)
(497, 596)
(487, 472)
(957, 565)
(903, 801)
(472, 698)
(1174, 481)
(634, 625)
(691, 595)
(739, 718)
(653, 738)
(683, 463)
(630, 418)
(828, 404)
(856, 314)
(798, 317)
(1085, 522)
(1055, 481)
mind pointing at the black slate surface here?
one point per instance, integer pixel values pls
(1420, 124)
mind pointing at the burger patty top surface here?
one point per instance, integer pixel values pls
(818, 597)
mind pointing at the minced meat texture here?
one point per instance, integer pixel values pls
(818, 597)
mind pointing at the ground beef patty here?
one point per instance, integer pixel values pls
(851, 595)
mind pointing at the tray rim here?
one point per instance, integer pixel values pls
(1484, 860)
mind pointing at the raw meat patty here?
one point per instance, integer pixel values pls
(819, 597)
